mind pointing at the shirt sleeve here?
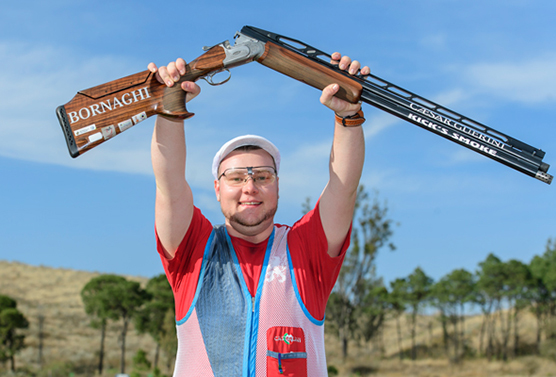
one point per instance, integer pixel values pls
(315, 271)
(184, 268)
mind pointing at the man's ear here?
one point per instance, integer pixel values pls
(217, 189)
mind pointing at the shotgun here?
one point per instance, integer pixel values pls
(97, 114)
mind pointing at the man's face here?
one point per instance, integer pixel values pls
(249, 208)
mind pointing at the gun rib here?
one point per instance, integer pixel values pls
(426, 114)
(455, 127)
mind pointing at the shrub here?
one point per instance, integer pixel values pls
(332, 370)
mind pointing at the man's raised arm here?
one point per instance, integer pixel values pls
(337, 201)
(174, 199)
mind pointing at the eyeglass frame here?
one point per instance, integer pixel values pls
(249, 172)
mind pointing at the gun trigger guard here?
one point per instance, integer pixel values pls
(209, 78)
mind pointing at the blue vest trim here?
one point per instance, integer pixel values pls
(249, 354)
(255, 330)
(249, 304)
(200, 281)
(298, 296)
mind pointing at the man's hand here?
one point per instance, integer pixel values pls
(341, 107)
(174, 198)
(172, 73)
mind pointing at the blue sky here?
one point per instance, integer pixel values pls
(493, 61)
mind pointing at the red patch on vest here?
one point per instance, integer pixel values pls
(283, 342)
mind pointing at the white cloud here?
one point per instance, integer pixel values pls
(377, 123)
(35, 81)
(532, 80)
(451, 97)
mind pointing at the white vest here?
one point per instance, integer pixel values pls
(227, 332)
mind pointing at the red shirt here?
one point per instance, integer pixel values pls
(315, 271)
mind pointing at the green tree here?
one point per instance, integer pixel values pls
(306, 206)
(543, 295)
(549, 280)
(541, 301)
(11, 320)
(169, 340)
(450, 295)
(131, 298)
(374, 309)
(397, 302)
(489, 294)
(418, 290)
(439, 299)
(550, 274)
(517, 291)
(371, 231)
(150, 319)
(140, 362)
(540, 297)
(112, 297)
(97, 300)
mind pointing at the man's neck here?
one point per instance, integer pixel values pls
(245, 234)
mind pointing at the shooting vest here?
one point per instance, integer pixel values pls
(227, 332)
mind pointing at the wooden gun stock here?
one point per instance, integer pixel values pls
(309, 72)
(98, 114)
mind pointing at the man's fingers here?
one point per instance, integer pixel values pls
(173, 72)
(180, 65)
(354, 67)
(191, 87)
(192, 90)
(345, 61)
(328, 94)
(154, 69)
(335, 58)
(165, 76)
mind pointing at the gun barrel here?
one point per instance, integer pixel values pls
(455, 127)
(421, 111)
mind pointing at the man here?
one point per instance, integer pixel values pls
(251, 295)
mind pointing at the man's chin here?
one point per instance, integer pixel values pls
(252, 226)
(247, 223)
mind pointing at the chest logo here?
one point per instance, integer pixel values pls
(287, 338)
(276, 270)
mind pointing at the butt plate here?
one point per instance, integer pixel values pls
(68, 133)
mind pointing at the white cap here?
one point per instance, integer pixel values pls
(242, 141)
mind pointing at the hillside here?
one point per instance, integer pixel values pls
(55, 294)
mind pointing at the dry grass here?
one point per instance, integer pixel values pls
(381, 357)
(367, 361)
(55, 294)
(442, 368)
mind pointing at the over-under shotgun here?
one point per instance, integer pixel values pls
(97, 114)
